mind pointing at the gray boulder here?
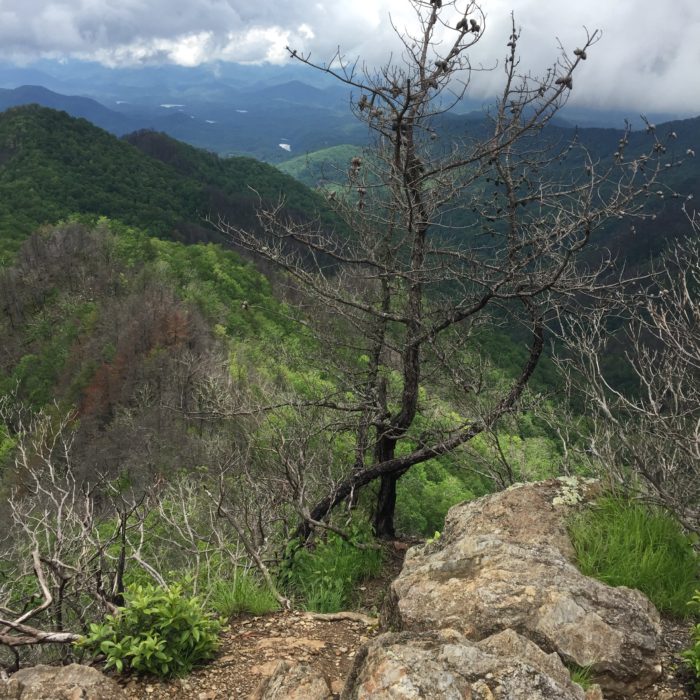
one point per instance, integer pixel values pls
(74, 682)
(444, 665)
(505, 562)
(293, 682)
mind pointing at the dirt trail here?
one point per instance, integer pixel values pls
(251, 647)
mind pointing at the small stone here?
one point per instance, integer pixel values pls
(70, 682)
(293, 682)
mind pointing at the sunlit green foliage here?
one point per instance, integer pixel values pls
(7, 444)
(324, 167)
(691, 656)
(427, 492)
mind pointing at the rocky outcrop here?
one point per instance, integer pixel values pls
(74, 682)
(504, 562)
(293, 682)
(445, 665)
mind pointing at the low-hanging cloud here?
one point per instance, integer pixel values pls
(645, 59)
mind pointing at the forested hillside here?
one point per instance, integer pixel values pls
(634, 242)
(152, 354)
(84, 307)
(53, 166)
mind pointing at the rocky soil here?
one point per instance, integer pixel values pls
(252, 647)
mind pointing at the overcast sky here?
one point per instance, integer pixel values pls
(648, 57)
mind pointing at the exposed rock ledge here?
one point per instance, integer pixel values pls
(73, 682)
(504, 562)
(446, 665)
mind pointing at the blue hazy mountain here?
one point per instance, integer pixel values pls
(269, 112)
(251, 122)
(76, 106)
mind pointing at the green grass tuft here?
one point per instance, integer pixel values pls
(581, 675)
(325, 577)
(628, 544)
(242, 594)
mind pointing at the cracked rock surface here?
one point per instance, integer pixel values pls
(504, 562)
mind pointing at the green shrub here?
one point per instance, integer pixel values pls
(692, 656)
(243, 593)
(628, 544)
(159, 631)
(325, 577)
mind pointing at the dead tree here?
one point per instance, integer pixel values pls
(645, 433)
(453, 228)
(69, 546)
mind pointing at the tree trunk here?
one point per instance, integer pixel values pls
(386, 498)
(386, 505)
(397, 466)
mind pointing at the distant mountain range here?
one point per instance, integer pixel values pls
(76, 106)
(254, 122)
(230, 109)
(226, 108)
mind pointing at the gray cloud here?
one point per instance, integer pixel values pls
(646, 60)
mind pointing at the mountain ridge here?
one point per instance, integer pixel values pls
(53, 165)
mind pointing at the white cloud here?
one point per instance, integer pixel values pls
(648, 57)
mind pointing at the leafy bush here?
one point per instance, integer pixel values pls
(628, 544)
(692, 656)
(244, 593)
(159, 631)
(325, 577)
